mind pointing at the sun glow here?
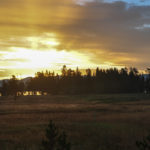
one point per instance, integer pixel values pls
(46, 59)
(40, 53)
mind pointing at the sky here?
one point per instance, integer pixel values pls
(46, 34)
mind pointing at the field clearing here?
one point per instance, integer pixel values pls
(92, 122)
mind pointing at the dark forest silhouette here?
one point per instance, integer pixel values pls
(71, 81)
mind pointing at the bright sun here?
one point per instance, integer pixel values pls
(46, 59)
(42, 53)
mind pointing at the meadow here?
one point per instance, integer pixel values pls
(92, 122)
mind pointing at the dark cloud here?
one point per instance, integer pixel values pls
(107, 26)
(110, 28)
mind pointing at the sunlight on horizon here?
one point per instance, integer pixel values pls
(41, 53)
(45, 59)
(32, 57)
(53, 60)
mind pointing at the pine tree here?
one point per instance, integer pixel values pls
(55, 139)
(144, 144)
(51, 137)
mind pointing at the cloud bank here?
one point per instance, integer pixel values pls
(117, 32)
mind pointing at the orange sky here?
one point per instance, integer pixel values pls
(46, 34)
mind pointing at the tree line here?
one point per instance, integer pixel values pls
(70, 81)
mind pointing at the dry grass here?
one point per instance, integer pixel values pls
(93, 122)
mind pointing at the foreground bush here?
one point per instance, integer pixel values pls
(144, 144)
(55, 139)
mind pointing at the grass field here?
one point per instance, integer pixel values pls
(92, 122)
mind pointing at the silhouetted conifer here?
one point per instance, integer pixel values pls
(55, 139)
(73, 82)
(144, 144)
